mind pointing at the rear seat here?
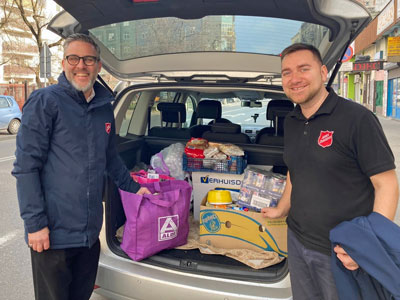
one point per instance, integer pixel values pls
(207, 109)
(226, 132)
(265, 152)
(171, 113)
(276, 112)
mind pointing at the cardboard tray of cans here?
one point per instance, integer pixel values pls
(232, 165)
(261, 188)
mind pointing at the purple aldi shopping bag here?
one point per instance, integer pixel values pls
(156, 222)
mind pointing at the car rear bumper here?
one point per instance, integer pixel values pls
(121, 278)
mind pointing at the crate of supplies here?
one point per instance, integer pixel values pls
(232, 165)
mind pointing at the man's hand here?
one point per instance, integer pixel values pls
(346, 260)
(272, 212)
(39, 240)
(143, 190)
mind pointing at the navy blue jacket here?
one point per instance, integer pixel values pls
(374, 243)
(64, 147)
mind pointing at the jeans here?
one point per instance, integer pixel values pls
(310, 272)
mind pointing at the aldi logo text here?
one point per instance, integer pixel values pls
(168, 227)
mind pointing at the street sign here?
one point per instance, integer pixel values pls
(348, 55)
(45, 62)
(368, 66)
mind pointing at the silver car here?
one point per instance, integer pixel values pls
(183, 52)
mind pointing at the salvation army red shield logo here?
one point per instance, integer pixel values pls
(325, 138)
(108, 127)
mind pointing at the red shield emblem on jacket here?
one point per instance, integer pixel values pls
(325, 138)
(108, 127)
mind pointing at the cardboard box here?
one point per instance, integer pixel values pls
(206, 181)
(233, 229)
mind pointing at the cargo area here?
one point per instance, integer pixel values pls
(136, 150)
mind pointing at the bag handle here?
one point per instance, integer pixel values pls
(155, 199)
(164, 170)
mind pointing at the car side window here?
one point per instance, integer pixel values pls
(10, 101)
(190, 105)
(128, 115)
(155, 116)
(4, 103)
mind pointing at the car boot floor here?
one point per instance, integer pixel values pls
(216, 265)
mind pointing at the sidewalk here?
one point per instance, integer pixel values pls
(391, 128)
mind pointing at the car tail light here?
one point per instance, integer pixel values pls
(96, 287)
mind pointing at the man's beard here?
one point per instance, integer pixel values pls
(308, 99)
(85, 88)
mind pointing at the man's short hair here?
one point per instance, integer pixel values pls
(300, 46)
(83, 38)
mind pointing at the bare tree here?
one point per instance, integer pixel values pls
(4, 4)
(7, 18)
(29, 16)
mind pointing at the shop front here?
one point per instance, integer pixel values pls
(393, 107)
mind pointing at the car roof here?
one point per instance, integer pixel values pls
(344, 19)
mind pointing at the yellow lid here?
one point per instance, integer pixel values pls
(219, 197)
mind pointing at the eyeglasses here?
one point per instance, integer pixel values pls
(74, 60)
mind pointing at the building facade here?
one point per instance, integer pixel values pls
(131, 39)
(19, 53)
(372, 76)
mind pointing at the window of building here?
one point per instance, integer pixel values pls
(125, 36)
(111, 36)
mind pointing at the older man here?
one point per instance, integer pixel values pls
(65, 144)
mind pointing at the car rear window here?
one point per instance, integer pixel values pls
(140, 38)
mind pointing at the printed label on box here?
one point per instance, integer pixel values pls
(260, 202)
(168, 227)
(225, 181)
(211, 222)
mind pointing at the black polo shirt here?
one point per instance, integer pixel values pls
(330, 157)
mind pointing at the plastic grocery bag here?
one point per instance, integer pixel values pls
(169, 161)
(156, 222)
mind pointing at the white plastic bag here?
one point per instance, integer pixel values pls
(170, 161)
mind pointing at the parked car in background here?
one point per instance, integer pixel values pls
(10, 114)
(181, 52)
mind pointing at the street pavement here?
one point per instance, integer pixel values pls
(392, 131)
(15, 270)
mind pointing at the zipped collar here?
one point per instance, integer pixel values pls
(326, 108)
(102, 95)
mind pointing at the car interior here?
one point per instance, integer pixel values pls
(168, 115)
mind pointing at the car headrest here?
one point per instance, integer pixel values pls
(225, 128)
(170, 112)
(278, 105)
(209, 109)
